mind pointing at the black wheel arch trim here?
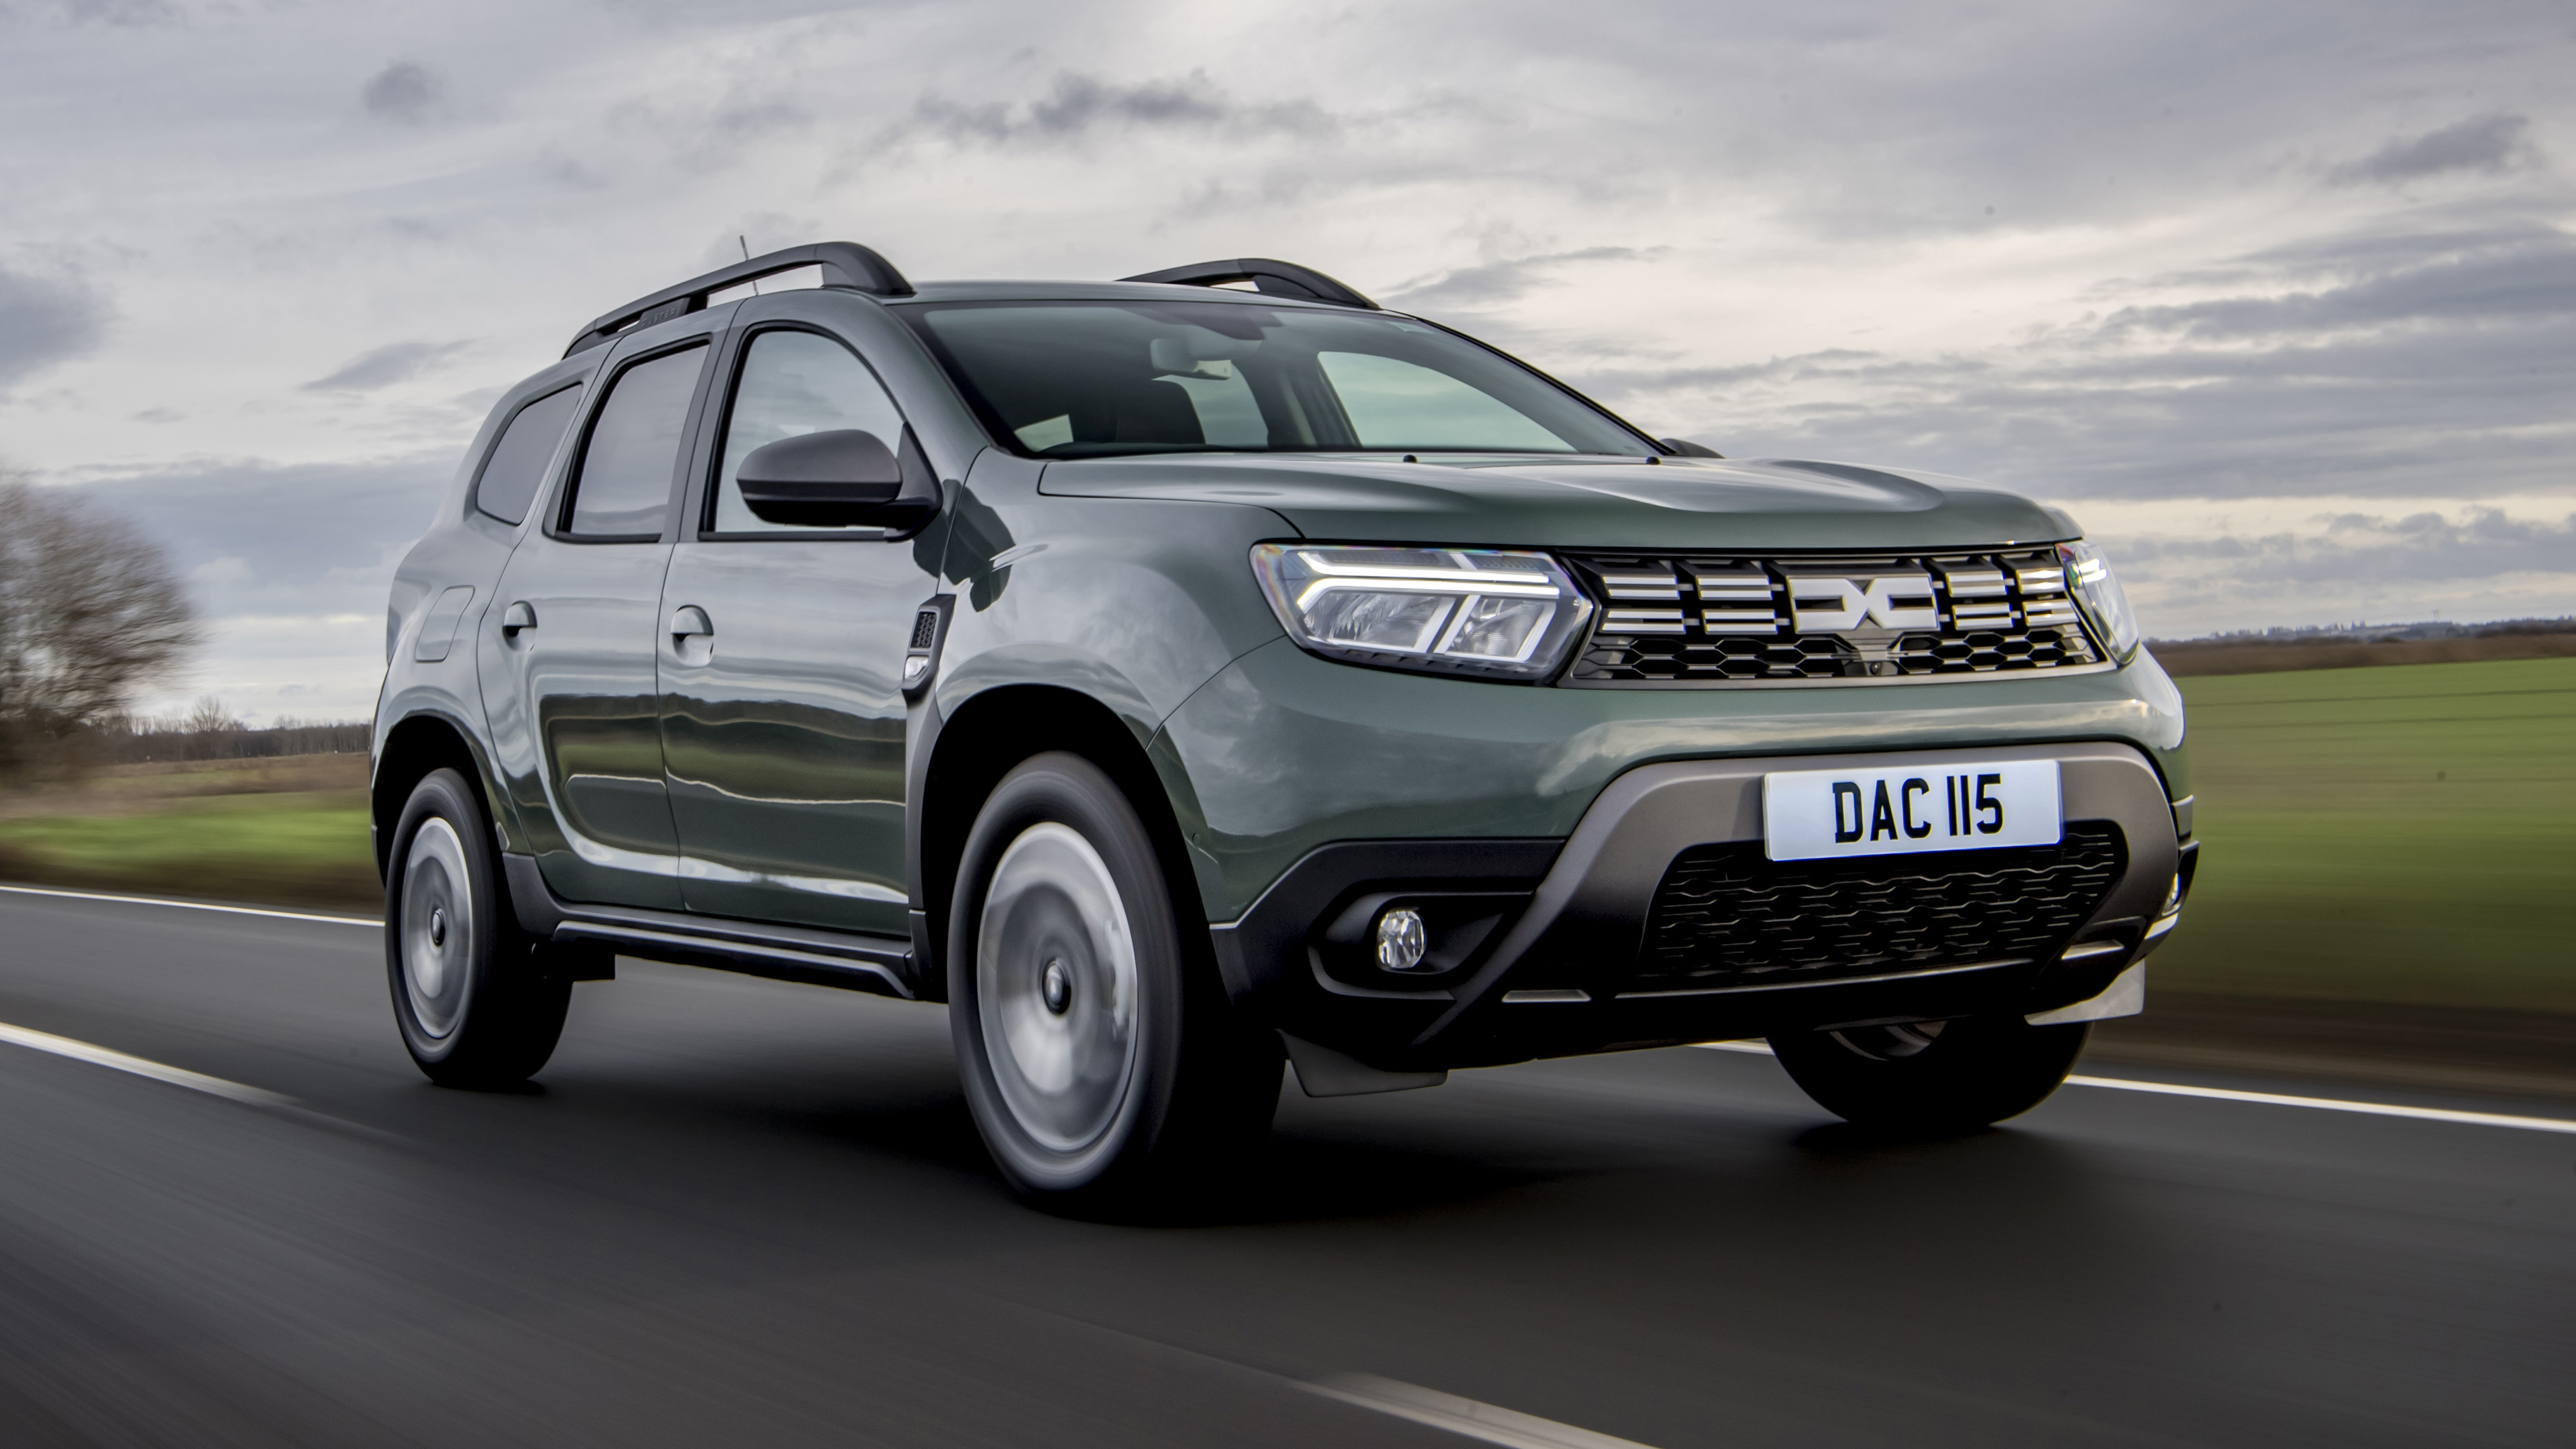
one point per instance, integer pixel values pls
(383, 808)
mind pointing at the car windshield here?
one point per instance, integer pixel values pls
(1097, 379)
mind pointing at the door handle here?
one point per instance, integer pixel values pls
(517, 617)
(693, 636)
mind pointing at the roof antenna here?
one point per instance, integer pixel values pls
(745, 243)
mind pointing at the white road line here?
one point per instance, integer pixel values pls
(2332, 1104)
(1462, 1416)
(20, 890)
(81, 1051)
(2268, 1099)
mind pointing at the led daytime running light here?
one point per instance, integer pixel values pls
(1461, 562)
(2098, 593)
(1489, 612)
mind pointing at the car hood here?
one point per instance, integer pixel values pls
(1611, 503)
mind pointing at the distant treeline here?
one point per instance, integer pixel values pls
(2375, 633)
(2268, 656)
(210, 732)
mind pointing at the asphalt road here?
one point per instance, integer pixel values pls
(747, 1213)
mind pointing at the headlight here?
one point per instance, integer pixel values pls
(2097, 592)
(1482, 611)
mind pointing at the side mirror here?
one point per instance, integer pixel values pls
(1688, 449)
(822, 480)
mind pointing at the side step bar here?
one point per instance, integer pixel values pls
(842, 959)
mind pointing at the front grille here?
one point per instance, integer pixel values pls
(1787, 618)
(1726, 917)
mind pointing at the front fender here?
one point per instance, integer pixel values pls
(1136, 604)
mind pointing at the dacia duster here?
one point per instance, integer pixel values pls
(1183, 675)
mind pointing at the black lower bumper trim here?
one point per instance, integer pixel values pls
(1567, 966)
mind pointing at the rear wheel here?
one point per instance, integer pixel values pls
(1100, 1055)
(476, 1005)
(1934, 1077)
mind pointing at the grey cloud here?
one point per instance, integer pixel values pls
(570, 174)
(2463, 279)
(1495, 283)
(743, 122)
(294, 529)
(403, 91)
(1078, 105)
(2420, 547)
(43, 322)
(708, 135)
(1838, 363)
(2420, 371)
(395, 362)
(121, 12)
(2482, 143)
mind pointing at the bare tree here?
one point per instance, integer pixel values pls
(90, 612)
(210, 716)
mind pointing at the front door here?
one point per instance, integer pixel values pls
(570, 658)
(782, 650)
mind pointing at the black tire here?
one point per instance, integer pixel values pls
(475, 1003)
(1136, 1083)
(1931, 1078)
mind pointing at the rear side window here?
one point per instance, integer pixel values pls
(517, 463)
(624, 487)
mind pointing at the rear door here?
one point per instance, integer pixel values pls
(781, 659)
(570, 644)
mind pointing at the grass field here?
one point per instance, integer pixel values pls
(2402, 834)
(292, 830)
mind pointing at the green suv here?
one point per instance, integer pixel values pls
(1189, 674)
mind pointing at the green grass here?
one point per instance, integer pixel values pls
(307, 846)
(2403, 834)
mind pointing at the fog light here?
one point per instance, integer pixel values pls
(1400, 940)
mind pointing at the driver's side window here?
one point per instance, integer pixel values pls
(791, 384)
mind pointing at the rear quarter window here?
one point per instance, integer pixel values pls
(516, 465)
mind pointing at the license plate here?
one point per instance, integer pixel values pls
(1823, 814)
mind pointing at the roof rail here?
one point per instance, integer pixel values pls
(844, 264)
(1278, 279)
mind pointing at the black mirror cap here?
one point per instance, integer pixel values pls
(820, 480)
(840, 478)
(1684, 447)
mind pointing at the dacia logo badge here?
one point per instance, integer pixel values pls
(1828, 606)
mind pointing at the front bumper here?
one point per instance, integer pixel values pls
(1537, 943)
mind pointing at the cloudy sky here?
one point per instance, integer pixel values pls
(2279, 299)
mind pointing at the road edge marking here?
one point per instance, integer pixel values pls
(24, 890)
(2331, 1104)
(2267, 1099)
(81, 1051)
(260, 1097)
(1465, 1417)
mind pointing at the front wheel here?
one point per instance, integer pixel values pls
(1935, 1077)
(1101, 1058)
(476, 1007)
